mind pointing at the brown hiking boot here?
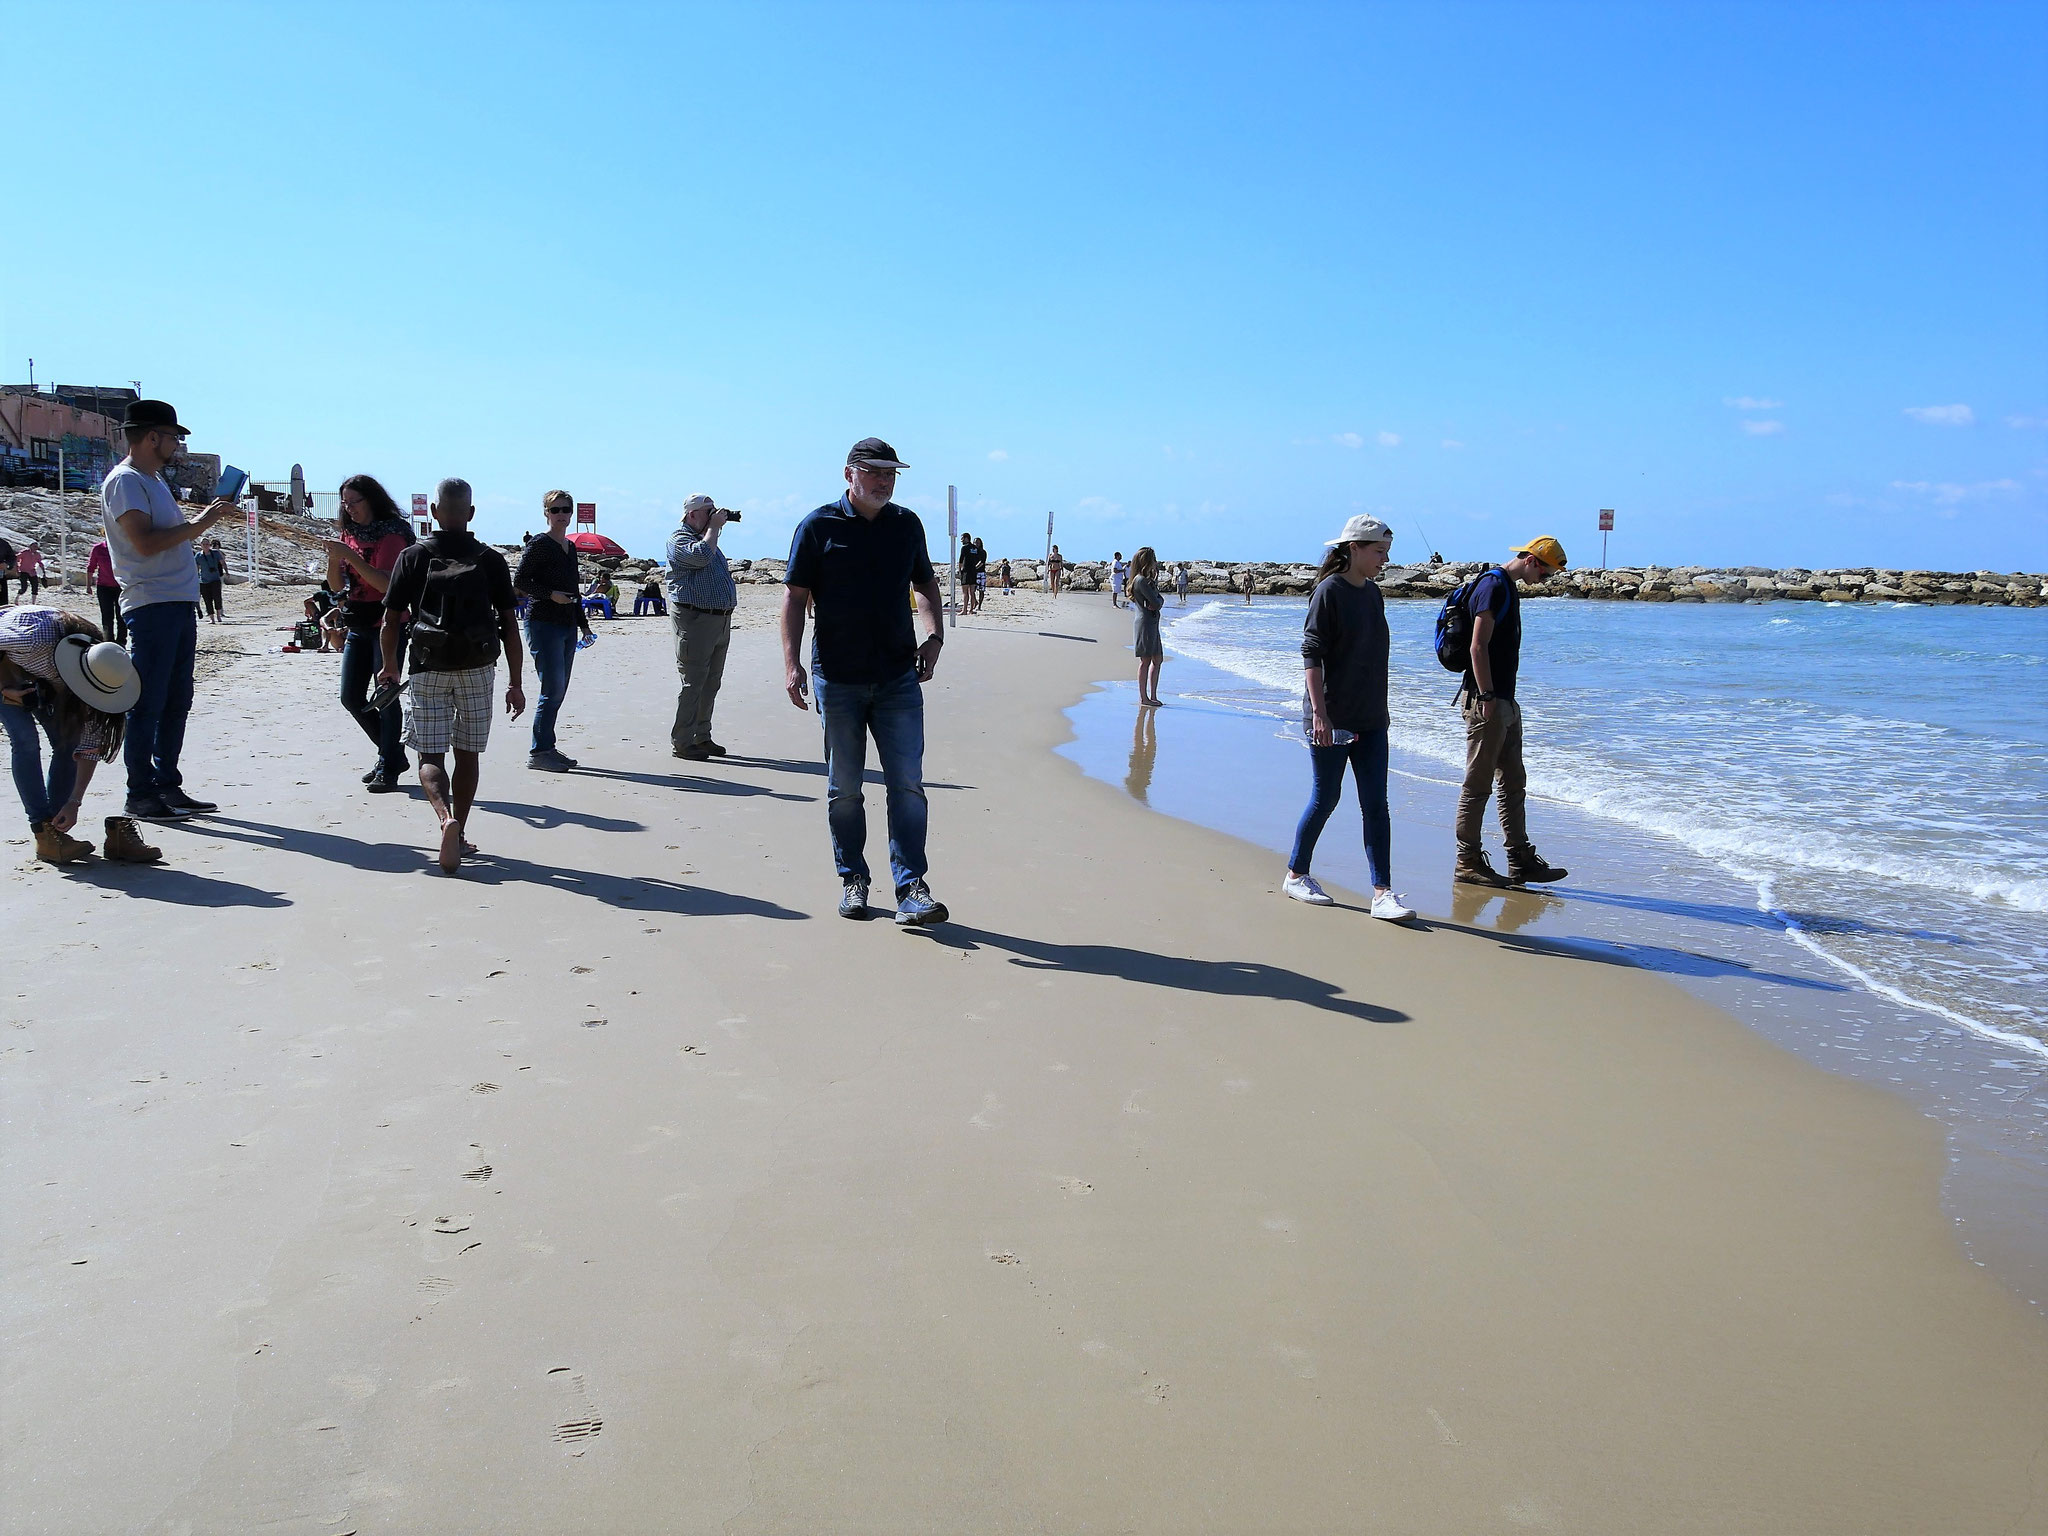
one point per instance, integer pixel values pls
(1474, 868)
(1526, 867)
(125, 845)
(54, 847)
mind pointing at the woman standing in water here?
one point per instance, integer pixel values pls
(373, 535)
(1146, 601)
(1344, 646)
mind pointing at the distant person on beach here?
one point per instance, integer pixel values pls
(1250, 585)
(650, 598)
(1344, 646)
(458, 592)
(213, 570)
(151, 542)
(1180, 582)
(373, 534)
(1009, 579)
(854, 559)
(1146, 601)
(1055, 564)
(980, 575)
(99, 572)
(547, 578)
(701, 598)
(59, 677)
(1493, 720)
(1118, 572)
(601, 596)
(8, 563)
(28, 565)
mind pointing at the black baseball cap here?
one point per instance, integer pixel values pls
(875, 454)
(152, 416)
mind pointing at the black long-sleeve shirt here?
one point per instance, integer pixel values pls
(1345, 634)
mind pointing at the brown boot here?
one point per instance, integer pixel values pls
(54, 847)
(125, 845)
(1474, 868)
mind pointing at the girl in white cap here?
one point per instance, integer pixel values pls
(59, 677)
(1344, 710)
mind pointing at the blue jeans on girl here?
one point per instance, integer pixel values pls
(1367, 755)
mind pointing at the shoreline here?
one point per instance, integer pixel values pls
(1634, 896)
(618, 1186)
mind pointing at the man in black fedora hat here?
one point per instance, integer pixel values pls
(150, 541)
(855, 560)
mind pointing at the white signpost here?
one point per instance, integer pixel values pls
(249, 542)
(953, 554)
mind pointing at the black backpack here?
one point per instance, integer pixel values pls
(455, 627)
(1454, 628)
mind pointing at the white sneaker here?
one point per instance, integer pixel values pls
(1304, 888)
(1388, 907)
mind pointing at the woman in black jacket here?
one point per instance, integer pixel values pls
(1344, 710)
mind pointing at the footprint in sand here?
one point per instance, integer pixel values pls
(433, 1290)
(991, 1114)
(580, 1422)
(1299, 1361)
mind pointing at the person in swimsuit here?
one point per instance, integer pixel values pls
(1146, 601)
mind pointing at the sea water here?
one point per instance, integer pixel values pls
(1876, 774)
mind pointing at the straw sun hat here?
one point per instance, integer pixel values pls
(102, 674)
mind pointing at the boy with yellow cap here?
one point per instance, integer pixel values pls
(1493, 721)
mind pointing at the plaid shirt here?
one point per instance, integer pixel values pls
(698, 576)
(28, 638)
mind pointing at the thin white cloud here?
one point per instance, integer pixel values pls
(1390, 439)
(997, 455)
(1949, 497)
(1348, 440)
(2027, 423)
(1763, 428)
(1751, 403)
(1942, 415)
(1101, 506)
(1452, 442)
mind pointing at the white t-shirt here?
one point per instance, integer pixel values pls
(1116, 576)
(171, 577)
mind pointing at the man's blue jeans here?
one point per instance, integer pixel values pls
(163, 638)
(554, 658)
(40, 797)
(894, 713)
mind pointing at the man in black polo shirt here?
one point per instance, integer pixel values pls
(858, 560)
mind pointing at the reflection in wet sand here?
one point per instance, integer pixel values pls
(1144, 748)
(1518, 909)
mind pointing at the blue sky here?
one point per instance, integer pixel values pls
(1771, 280)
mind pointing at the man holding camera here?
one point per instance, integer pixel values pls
(150, 543)
(855, 558)
(701, 598)
(459, 593)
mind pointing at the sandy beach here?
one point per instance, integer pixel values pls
(618, 1186)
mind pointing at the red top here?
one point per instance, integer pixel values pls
(99, 566)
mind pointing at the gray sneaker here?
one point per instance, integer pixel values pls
(915, 908)
(853, 901)
(552, 762)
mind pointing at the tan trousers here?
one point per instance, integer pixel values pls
(701, 640)
(1493, 750)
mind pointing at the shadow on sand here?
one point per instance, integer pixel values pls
(543, 817)
(638, 893)
(1218, 978)
(817, 771)
(691, 783)
(179, 887)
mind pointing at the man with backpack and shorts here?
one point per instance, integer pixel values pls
(458, 591)
(1480, 633)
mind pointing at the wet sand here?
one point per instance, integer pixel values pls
(617, 1185)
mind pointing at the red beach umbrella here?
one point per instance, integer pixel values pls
(597, 544)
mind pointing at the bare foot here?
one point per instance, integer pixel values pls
(451, 847)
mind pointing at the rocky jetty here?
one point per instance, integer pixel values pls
(1745, 584)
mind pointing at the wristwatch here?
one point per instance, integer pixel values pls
(1482, 697)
